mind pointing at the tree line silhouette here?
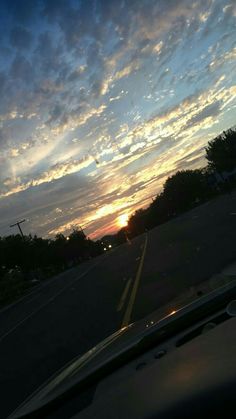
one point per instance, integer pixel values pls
(32, 254)
(26, 260)
(33, 258)
(188, 188)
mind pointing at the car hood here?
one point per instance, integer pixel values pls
(82, 367)
(117, 347)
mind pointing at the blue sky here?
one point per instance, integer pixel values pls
(102, 100)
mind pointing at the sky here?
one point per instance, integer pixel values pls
(101, 101)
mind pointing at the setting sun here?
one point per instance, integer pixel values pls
(122, 220)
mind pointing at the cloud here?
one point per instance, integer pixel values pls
(230, 8)
(2, 83)
(141, 86)
(48, 55)
(57, 114)
(57, 171)
(63, 121)
(21, 69)
(38, 204)
(126, 71)
(20, 37)
(74, 20)
(22, 10)
(158, 47)
(17, 151)
(211, 110)
(190, 112)
(75, 74)
(112, 99)
(222, 59)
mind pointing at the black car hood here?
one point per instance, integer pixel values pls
(128, 341)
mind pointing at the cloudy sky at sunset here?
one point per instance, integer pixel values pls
(101, 100)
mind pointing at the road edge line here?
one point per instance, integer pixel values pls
(134, 290)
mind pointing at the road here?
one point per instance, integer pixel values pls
(69, 314)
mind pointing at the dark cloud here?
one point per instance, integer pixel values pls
(74, 75)
(21, 69)
(20, 37)
(3, 80)
(5, 51)
(95, 86)
(196, 162)
(48, 54)
(74, 22)
(57, 115)
(209, 111)
(94, 55)
(96, 68)
(213, 22)
(87, 20)
(56, 112)
(192, 156)
(23, 10)
(53, 9)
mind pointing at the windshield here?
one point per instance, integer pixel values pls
(118, 172)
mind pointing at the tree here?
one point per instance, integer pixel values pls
(221, 152)
(121, 236)
(181, 192)
(184, 189)
(137, 222)
(159, 211)
(59, 253)
(77, 245)
(38, 257)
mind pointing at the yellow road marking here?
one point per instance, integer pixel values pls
(129, 309)
(124, 295)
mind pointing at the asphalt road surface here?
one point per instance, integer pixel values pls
(69, 314)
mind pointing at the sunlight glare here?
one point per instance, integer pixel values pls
(122, 220)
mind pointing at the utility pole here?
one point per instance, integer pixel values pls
(18, 225)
